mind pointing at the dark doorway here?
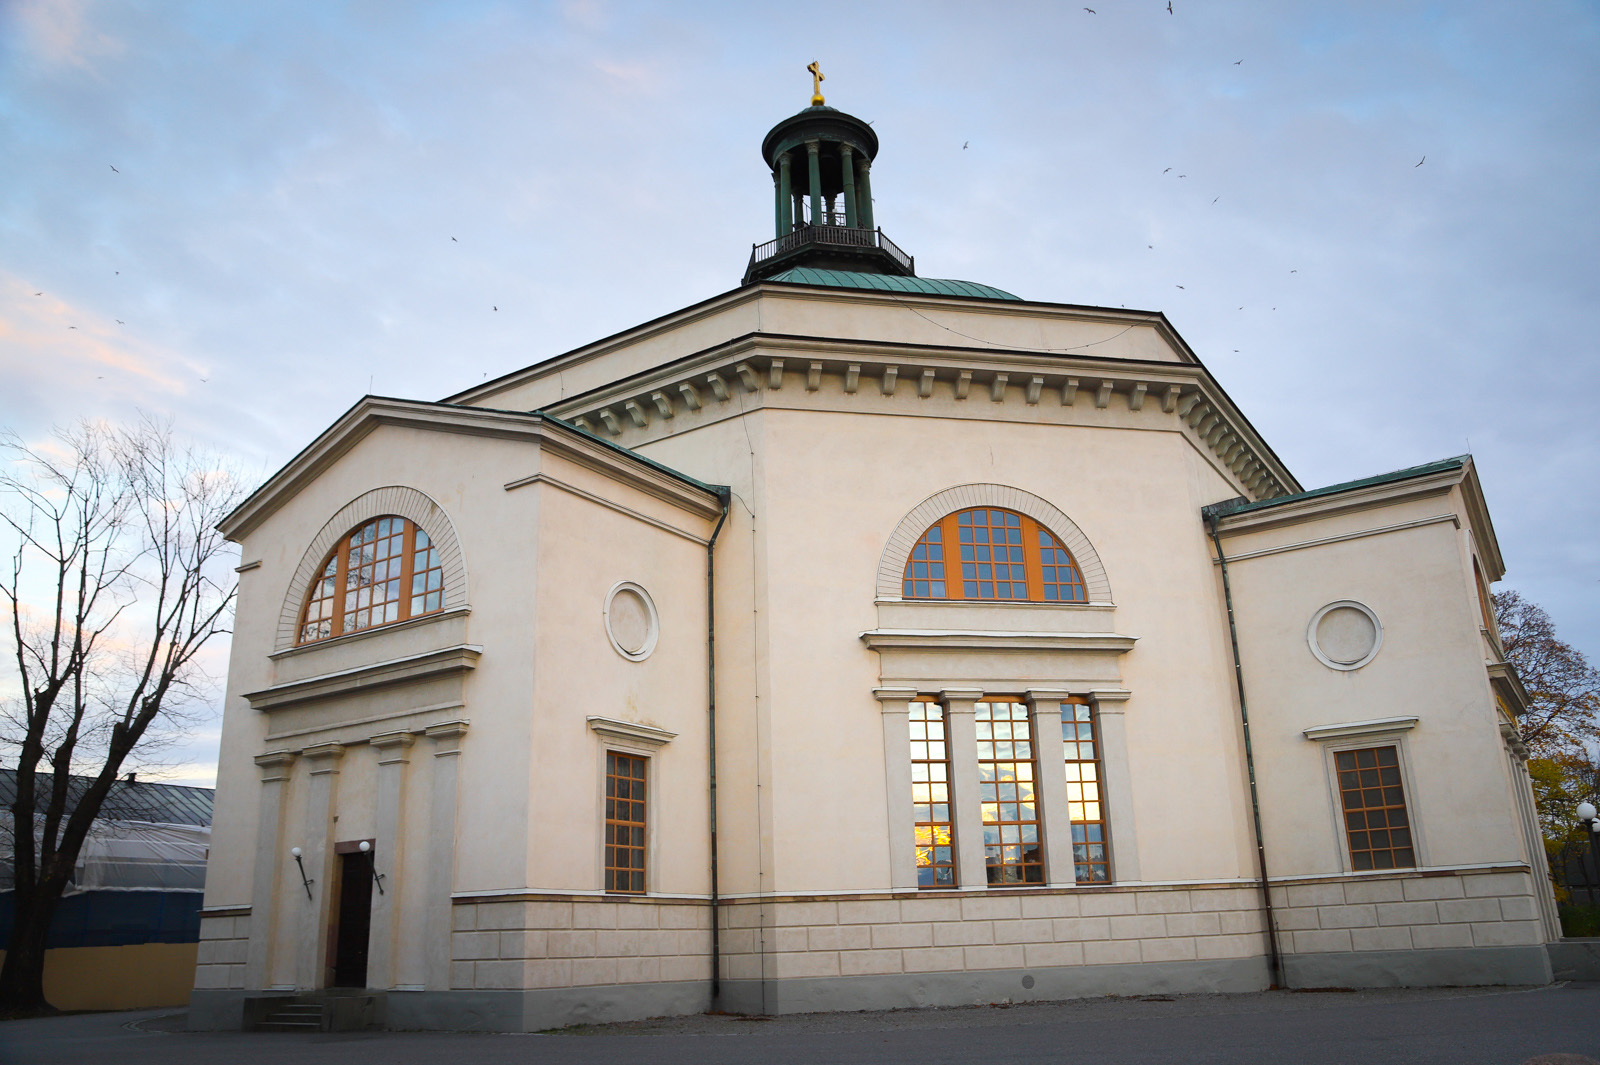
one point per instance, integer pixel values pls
(354, 920)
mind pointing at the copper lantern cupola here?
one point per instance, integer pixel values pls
(821, 163)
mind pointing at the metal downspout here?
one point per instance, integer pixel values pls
(725, 495)
(1249, 759)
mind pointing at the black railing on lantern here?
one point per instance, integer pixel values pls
(848, 236)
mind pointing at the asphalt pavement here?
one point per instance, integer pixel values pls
(1458, 1026)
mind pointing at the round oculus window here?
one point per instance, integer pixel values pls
(631, 621)
(1345, 635)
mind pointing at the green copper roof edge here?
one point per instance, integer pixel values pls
(924, 286)
(1239, 505)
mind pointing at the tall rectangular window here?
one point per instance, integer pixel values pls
(625, 823)
(1375, 818)
(1091, 864)
(1011, 849)
(930, 796)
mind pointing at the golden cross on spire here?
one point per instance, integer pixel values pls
(817, 78)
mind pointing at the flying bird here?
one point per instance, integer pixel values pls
(964, 145)
(1183, 175)
(1180, 286)
(497, 308)
(457, 241)
(114, 170)
(1424, 159)
(119, 321)
(1294, 271)
(1218, 198)
(72, 327)
(1168, 170)
(1169, 7)
(1236, 62)
(38, 293)
(1090, 10)
(1150, 245)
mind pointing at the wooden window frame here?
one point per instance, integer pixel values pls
(953, 865)
(340, 556)
(1104, 821)
(1341, 812)
(1032, 564)
(1037, 802)
(609, 870)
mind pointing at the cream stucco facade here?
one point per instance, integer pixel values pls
(760, 465)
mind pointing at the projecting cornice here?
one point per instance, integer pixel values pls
(764, 369)
(546, 433)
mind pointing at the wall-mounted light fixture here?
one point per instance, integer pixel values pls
(295, 851)
(1586, 814)
(377, 877)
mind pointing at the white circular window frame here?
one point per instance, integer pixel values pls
(653, 621)
(1316, 649)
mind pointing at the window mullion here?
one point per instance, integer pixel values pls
(341, 586)
(953, 585)
(408, 550)
(1030, 559)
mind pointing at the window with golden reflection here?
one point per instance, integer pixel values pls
(384, 571)
(1010, 811)
(992, 554)
(930, 796)
(1086, 809)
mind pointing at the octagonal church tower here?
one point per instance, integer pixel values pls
(854, 639)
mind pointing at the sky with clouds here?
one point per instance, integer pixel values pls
(1375, 222)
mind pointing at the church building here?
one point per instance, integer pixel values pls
(854, 639)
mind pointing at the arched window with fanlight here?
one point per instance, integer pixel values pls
(992, 554)
(384, 571)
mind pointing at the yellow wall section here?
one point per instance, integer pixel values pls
(142, 976)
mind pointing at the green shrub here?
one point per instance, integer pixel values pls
(1580, 921)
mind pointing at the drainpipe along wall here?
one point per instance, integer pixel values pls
(725, 495)
(1276, 957)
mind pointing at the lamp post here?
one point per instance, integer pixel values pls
(377, 877)
(1586, 817)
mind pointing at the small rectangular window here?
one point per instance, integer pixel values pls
(625, 823)
(1375, 818)
(1086, 809)
(930, 796)
(1011, 848)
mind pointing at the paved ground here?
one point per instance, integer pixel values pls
(1454, 1026)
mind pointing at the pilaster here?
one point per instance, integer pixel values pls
(389, 858)
(1117, 787)
(323, 761)
(965, 796)
(1051, 784)
(266, 894)
(895, 704)
(443, 799)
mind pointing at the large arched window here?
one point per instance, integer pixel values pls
(993, 554)
(384, 571)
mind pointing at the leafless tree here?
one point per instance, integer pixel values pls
(1563, 716)
(117, 581)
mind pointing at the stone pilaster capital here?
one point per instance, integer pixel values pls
(275, 765)
(446, 737)
(1046, 700)
(324, 757)
(894, 700)
(960, 700)
(392, 747)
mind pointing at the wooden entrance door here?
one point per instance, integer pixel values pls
(354, 920)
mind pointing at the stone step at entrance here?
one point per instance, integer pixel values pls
(319, 1012)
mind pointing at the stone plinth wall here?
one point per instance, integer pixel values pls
(499, 945)
(224, 942)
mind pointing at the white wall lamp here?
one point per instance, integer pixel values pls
(295, 852)
(377, 877)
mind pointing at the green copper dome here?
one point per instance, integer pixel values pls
(925, 286)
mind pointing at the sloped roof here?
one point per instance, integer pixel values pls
(925, 286)
(1241, 506)
(165, 804)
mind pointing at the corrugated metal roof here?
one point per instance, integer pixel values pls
(925, 286)
(1241, 506)
(165, 804)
